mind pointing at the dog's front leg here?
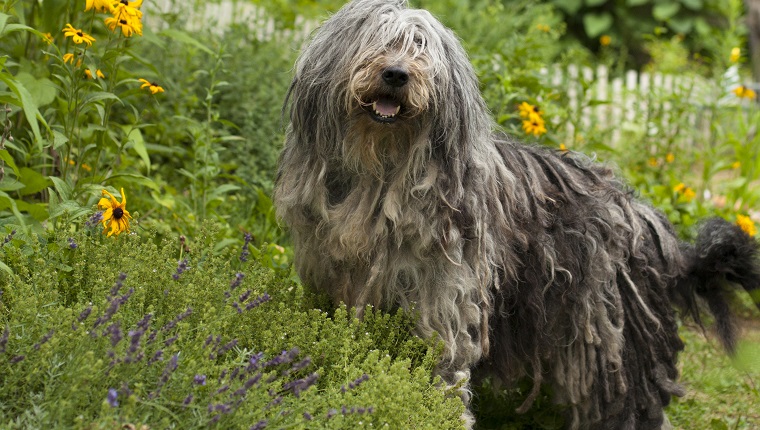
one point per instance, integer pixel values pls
(456, 310)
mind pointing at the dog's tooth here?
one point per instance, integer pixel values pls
(398, 109)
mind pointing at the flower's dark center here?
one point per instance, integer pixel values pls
(118, 213)
(124, 2)
(123, 21)
(79, 33)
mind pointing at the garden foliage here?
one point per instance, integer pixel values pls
(189, 313)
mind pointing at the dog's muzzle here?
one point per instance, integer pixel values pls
(386, 108)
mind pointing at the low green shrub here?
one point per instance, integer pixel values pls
(98, 332)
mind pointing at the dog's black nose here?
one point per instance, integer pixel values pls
(395, 76)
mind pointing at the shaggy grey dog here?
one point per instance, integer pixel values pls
(527, 262)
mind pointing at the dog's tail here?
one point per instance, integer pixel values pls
(722, 257)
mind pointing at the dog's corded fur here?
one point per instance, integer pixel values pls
(527, 262)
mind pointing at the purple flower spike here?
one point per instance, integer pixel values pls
(112, 397)
(199, 380)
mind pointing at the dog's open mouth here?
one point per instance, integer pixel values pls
(384, 109)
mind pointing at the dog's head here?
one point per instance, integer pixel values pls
(380, 73)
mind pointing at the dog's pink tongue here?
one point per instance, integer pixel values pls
(386, 107)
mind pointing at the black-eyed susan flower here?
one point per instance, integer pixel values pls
(128, 27)
(605, 40)
(534, 126)
(99, 5)
(48, 38)
(153, 87)
(736, 165)
(669, 158)
(115, 215)
(77, 36)
(744, 93)
(563, 147)
(528, 111)
(746, 224)
(127, 16)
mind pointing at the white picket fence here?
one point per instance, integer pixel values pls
(223, 14)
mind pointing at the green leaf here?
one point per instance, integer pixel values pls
(693, 4)
(27, 104)
(42, 90)
(62, 187)
(222, 190)
(571, 7)
(98, 96)
(6, 269)
(597, 24)
(665, 11)
(59, 139)
(137, 179)
(38, 211)
(6, 157)
(681, 24)
(7, 202)
(6, 28)
(134, 135)
(33, 181)
(10, 184)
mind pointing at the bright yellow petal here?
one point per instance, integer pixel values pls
(104, 203)
(123, 198)
(107, 215)
(114, 202)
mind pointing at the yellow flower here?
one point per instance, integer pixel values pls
(605, 40)
(652, 162)
(126, 15)
(99, 5)
(744, 93)
(77, 36)
(528, 111)
(562, 147)
(689, 194)
(736, 165)
(115, 215)
(736, 53)
(669, 158)
(543, 27)
(98, 73)
(128, 26)
(154, 88)
(48, 38)
(686, 193)
(746, 224)
(87, 167)
(534, 126)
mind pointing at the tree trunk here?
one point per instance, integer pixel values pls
(753, 36)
